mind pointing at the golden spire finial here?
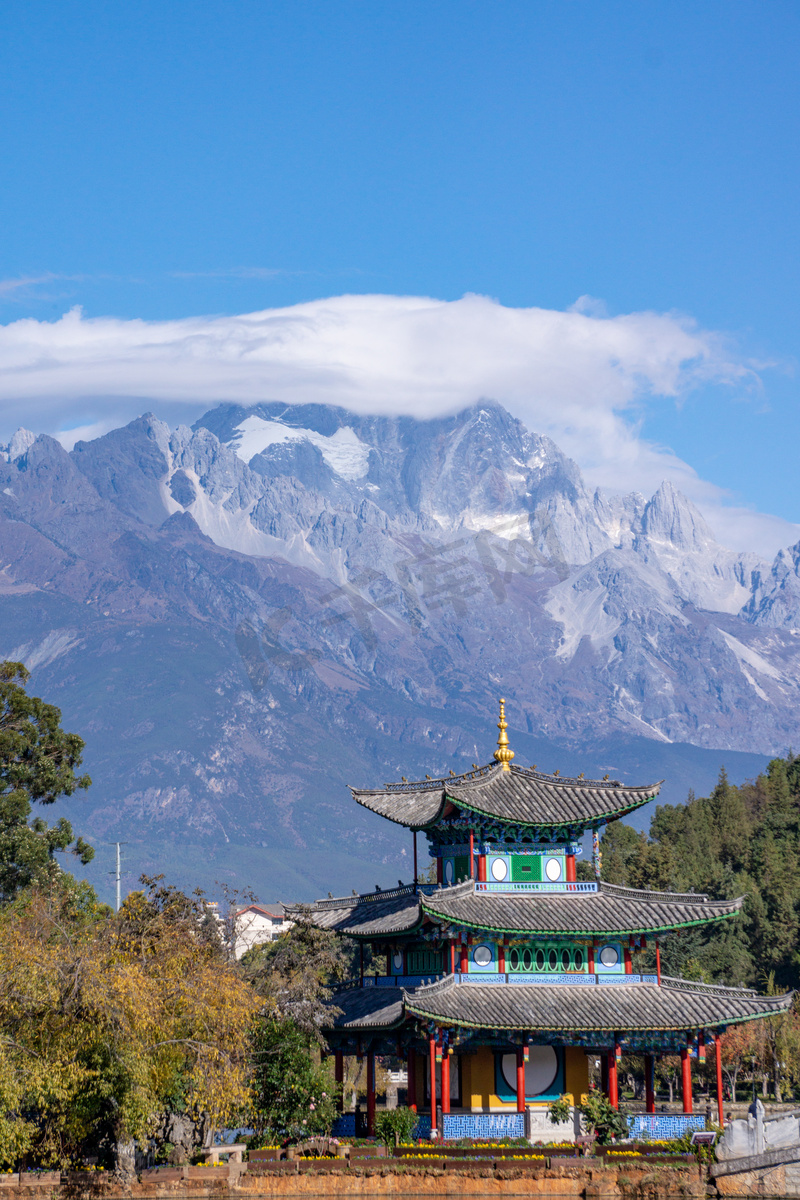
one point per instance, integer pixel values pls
(502, 753)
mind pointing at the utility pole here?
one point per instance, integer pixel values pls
(118, 874)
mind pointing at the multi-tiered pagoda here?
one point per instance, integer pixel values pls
(508, 973)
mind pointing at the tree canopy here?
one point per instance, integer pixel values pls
(38, 764)
(107, 1021)
(740, 841)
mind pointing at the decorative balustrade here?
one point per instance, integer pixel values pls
(562, 886)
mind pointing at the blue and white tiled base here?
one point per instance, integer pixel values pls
(344, 1126)
(483, 1125)
(422, 1132)
(663, 1126)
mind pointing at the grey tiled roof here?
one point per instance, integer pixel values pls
(395, 911)
(610, 911)
(368, 1008)
(629, 1008)
(613, 911)
(519, 796)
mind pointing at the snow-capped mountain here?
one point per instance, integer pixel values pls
(242, 616)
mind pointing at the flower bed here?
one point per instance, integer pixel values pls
(623, 1157)
(322, 1166)
(163, 1174)
(209, 1173)
(272, 1167)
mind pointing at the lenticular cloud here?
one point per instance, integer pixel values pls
(578, 375)
(394, 354)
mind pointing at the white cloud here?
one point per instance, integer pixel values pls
(581, 376)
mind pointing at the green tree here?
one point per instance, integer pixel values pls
(38, 761)
(740, 841)
(293, 975)
(293, 1094)
(620, 845)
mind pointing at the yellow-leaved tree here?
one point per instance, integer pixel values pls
(110, 1023)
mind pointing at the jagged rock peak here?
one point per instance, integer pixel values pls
(776, 593)
(670, 517)
(20, 444)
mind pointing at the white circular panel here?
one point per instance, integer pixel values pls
(482, 956)
(552, 869)
(540, 1070)
(609, 956)
(448, 870)
(499, 869)
(397, 960)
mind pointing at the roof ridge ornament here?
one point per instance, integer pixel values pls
(503, 753)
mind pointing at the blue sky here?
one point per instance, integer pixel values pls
(167, 161)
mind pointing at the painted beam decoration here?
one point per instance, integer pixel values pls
(507, 974)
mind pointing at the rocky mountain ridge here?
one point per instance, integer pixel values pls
(242, 616)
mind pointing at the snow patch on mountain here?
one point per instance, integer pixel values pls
(232, 528)
(41, 653)
(750, 661)
(581, 613)
(343, 451)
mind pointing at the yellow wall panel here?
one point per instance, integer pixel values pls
(576, 1071)
(481, 1093)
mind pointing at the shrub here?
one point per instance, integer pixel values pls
(395, 1125)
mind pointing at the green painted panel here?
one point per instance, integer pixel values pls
(552, 958)
(424, 962)
(526, 868)
(461, 867)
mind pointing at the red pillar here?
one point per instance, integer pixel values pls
(481, 868)
(412, 1080)
(501, 957)
(658, 962)
(452, 958)
(649, 1089)
(445, 1083)
(590, 949)
(370, 1094)
(686, 1079)
(628, 960)
(571, 872)
(520, 1081)
(718, 1048)
(464, 958)
(432, 1067)
(439, 870)
(613, 1084)
(471, 854)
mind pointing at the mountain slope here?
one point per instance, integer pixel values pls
(245, 616)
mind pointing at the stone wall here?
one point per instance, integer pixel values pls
(578, 1180)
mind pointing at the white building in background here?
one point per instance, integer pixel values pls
(256, 925)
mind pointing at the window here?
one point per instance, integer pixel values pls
(424, 962)
(546, 958)
(609, 956)
(526, 868)
(483, 956)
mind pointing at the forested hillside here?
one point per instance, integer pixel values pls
(740, 840)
